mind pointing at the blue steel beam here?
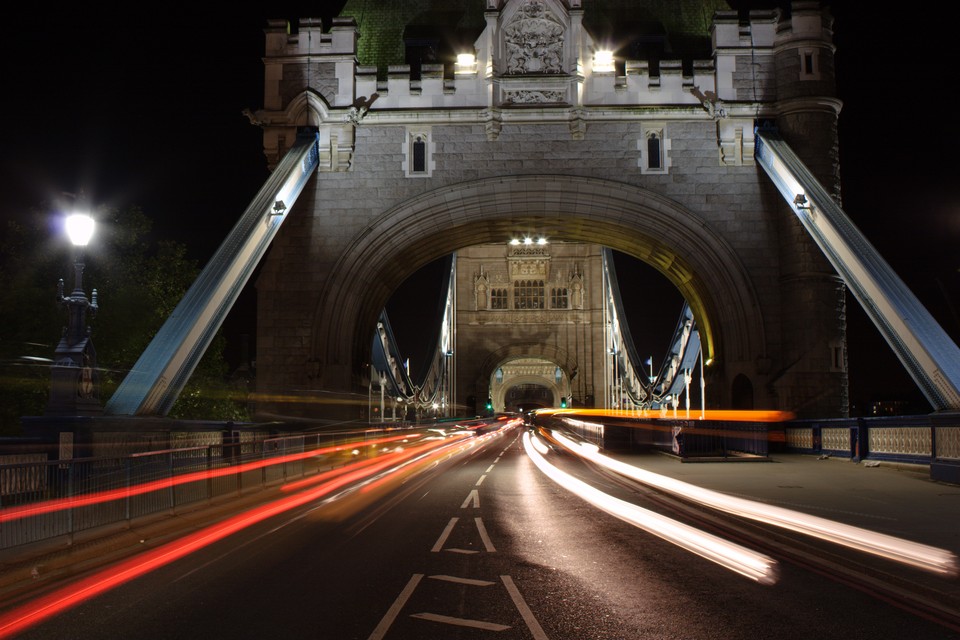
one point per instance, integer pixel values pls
(929, 355)
(158, 377)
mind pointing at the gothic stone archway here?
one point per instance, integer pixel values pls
(331, 346)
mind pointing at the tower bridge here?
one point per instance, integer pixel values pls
(709, 154)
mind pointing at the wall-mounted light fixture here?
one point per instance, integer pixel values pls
(466, 64)
(603, 62)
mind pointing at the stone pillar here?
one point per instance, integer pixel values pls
(813, 296)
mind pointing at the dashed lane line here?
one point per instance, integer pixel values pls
(535, 629)
(487, 543)
(443, 536)
(461, 622)
(470, 581)
(474, 497)
(395, 608)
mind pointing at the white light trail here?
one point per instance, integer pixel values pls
(751, 564)
(913, 553)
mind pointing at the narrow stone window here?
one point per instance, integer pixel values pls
(654, 147)
(418, 150)
(654, 157)
(809, 64)
(838, 357)
(419, 155)
(498, 299)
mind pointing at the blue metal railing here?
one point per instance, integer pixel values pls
(54, 484)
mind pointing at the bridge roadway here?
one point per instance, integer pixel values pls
(481, 544)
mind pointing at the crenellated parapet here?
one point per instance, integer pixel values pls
(535, 60)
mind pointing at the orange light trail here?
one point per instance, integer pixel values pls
(730, 415)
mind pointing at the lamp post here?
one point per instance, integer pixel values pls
(74, 380)
(703, 388)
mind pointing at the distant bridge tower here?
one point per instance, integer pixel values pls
(530, 325)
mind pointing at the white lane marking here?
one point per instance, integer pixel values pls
(480, 481)
(535, 629)
(483, 535)
(395, 608)
(461, 622)
(490, 468)
(467, 551)
(470, 581)
(473, 497)
(443, 536)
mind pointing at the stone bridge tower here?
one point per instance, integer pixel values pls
(447, 124)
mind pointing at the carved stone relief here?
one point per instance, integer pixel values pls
(533, 40)
(534, 97)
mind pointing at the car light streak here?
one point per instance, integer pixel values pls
(444, 450)
(751, 564)
(385, 463)
(912, 553)
(729, 415)
(25, 511)
(64, 598)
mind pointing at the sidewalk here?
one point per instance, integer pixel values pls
(898, 500)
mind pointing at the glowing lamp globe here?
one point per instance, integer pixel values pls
(80, 229)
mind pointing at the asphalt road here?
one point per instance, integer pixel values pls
(480, 544)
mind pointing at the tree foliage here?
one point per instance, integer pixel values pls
(139, 282)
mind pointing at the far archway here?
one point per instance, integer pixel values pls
(741, 393)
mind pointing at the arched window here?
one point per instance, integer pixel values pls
(741, 393)
(418, 151)
(654, 147)
(498, 299)
(419, 154)
(654, 151)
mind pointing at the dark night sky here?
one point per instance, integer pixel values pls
(146, 110)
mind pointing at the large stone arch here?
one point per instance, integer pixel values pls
(657, 230)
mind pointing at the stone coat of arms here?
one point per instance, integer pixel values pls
(534, 41)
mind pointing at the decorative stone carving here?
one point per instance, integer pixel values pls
(711, 102)
(533, 97)
(528, 269)
(576, 290)
(534, 41)
(492, 128)
(481, 285)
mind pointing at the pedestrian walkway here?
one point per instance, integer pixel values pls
(899, 500)
(896, 500)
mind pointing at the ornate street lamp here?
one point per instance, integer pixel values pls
(74, 383)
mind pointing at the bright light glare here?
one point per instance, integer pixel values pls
(603, 62)
(466, 63)
(539, 446)
(751, 564)
(79, 229)
(912, 553)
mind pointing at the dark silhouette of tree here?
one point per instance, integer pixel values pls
(139, 281)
